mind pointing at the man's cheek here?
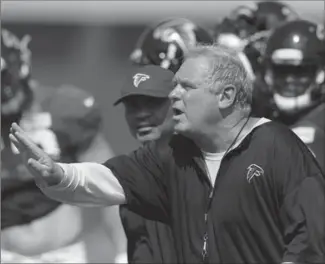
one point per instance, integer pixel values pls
(169, 113)
(132, 130)
(131, 123)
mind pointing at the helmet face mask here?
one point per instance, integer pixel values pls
(291, 80)
(252, 24)
(294, 67)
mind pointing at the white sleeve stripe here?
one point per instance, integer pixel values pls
(67, 181)
(87, 184)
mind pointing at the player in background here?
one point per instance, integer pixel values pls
(253, 21)
(33, 228)
(294, 73)
(267, 16)
(163, 44)
(246, 29)
(17, 101)
(280, 23)
(16, 95)
(166, 42)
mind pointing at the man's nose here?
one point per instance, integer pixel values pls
(141, 112)
(176, 93)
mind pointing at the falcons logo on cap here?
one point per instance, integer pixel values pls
(254, 170)
(139, 77)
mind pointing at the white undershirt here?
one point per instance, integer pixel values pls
(213, 161)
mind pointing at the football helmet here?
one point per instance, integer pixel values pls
(167, 42)
(246, 20)
(15, 73)
(247, 28)
(294, 65)
(240, 22)
(271, 14)
(268, 16)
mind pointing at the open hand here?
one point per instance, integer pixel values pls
(40, 164)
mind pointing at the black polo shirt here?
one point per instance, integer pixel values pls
(267, 205)
(311, 129)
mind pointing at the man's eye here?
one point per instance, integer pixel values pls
(188, 88)
(40, 146)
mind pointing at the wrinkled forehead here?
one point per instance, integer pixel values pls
(196, 70)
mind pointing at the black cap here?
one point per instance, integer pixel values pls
(148, 80)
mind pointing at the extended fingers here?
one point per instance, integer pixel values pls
(23, 142)
(16, 128)
(38, 167)
(16, 143)
(38, 170)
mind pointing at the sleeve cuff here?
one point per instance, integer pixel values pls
(67, 181)
(121, 258)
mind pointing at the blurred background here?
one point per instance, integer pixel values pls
(88, 43)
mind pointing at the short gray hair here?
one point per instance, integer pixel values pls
(226, 68)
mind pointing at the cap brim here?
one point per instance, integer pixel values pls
(143, 93)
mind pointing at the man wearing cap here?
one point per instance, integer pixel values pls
(147, 107)
(149, 117)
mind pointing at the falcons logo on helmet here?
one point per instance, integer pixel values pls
(254, 171)
(139, 77)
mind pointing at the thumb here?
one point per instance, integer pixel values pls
(50, 174)
(38, 168)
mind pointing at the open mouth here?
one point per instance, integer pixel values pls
(177, 112)
(144, 130)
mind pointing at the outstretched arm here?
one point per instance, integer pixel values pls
(85, 184)
(138, 178)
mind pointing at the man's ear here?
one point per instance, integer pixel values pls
(227, 96)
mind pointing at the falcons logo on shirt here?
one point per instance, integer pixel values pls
(139, 77)
(254, 171)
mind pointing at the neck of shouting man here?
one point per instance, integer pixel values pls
(223, 134)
